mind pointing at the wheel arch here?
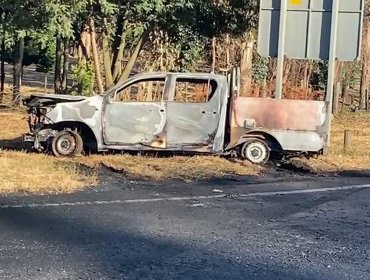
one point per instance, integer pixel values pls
(272, 143)
(87, 134)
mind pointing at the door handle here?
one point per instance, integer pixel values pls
(209, 112)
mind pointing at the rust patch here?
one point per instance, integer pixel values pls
(160, 141)
(278, 114)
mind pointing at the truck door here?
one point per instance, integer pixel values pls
(194, 112)
(136, 114)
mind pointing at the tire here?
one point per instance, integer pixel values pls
(256, 151)
(67, 144)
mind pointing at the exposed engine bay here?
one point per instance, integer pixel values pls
(40, 126)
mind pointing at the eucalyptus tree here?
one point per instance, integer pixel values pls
(20, 19)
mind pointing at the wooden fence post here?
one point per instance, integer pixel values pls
(347, 141)
(337, 92)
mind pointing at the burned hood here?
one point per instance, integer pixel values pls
(42, 100)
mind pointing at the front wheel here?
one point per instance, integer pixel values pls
(256, 151)
(67, 144)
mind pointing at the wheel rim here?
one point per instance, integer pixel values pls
(256, 152)
(66, 145)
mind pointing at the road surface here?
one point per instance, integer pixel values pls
(314, 228)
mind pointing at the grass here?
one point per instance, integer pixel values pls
(357, 158)
(34, 173)
(177, 167)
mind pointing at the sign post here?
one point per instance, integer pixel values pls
(281, 50)
(331, 67)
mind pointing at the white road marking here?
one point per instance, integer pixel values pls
(185, 198)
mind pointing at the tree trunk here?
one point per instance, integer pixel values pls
(65, 65)
(365, 78)
(92, 83)
(58, 64)
(46, 81)
(107, 57)
(119, 34)
(347, 79)
(84, 44)
(2, 82)
(2, 57)
(306, 66)
(227, 51)
(214, 54)
(131, 62)
(287, 68)
(83, 57)
(96, 57)
(118, 58)
(246, 65)
(17, 74)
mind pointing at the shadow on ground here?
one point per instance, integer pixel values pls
(117, 250)
(15, 145)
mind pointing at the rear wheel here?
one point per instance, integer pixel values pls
(256, 151)
(67, 144)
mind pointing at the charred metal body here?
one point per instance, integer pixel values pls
(179, 112)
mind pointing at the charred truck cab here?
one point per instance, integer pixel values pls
(200, 113)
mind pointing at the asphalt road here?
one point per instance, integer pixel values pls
(236, 229)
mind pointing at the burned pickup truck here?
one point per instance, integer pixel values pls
(192, 113)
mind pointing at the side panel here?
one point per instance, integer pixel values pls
(135, 123)
(306, 141)
(298, 125)
(192, 124)
(87, 111)
(198, 126)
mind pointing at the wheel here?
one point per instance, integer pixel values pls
(256, 151)
(67, 144)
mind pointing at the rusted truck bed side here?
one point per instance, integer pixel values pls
(298, 125)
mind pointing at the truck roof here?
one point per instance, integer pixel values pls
(158, 75)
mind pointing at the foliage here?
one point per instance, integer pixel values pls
(158, 35)
(46, 59)
(322, 74)
(83, 75)
(260, 69)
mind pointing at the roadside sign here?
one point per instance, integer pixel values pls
(295, 2)
(308, 29)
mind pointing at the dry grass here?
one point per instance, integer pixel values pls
(357, 158)
(34, 173)
(182, 168)
(12, 125)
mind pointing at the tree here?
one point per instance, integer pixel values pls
(365, 79)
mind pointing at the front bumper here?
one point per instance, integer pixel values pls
(39, 139)
(28, 138)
